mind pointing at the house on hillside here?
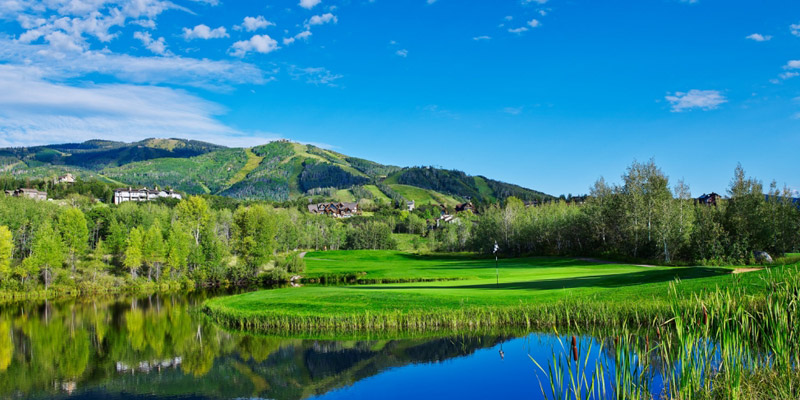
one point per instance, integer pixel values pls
(336, 210)
(468, 206)
(130, 194)
(411, 205)
(710, 199)
(29, 193)
(68, 178)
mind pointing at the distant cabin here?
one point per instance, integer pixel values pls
(29, 193)
(335, 210)
(710, 199)
(411, 205)
(68, 178)
(129, 194)
(468, 206)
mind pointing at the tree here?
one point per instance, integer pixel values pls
(48, 252)
(133, 251)
(178, 249)
(98, 258)
(153, 249)
(72, 225)
(194, 213)
(6, 251)
(254, 231)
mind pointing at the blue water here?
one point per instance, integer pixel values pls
(158, 348)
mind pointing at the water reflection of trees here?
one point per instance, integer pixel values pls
(159, 345)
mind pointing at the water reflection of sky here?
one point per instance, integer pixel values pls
(483, 374)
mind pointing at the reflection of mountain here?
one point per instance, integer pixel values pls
(157, 347)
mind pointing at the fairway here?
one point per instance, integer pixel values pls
(456, 283)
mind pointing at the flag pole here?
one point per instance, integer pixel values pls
(496, 269)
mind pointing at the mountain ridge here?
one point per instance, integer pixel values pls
(278, 171)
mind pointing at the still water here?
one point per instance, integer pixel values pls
(162, 347)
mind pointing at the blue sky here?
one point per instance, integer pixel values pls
(548, 94)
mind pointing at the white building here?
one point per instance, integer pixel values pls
(411, 205)
(129, 194)
(68, 178)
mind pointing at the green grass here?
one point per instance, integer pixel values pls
(377, 194)
(252, 163)
(424, 196)
(459, 290)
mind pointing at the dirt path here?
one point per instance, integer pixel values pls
(303, 254)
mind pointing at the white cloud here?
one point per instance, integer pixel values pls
(484, 37)
(258, 43)
(795, 29)
(535, 1)
(402, 53)
(759, 37)
(309, 4)
(534, 23)
(792, 64)
(252, 24)
(788, 75)
(696, 99)
(34, 111)
(202, 31)
(431, 1)
(315, 75)
(175, 70)
(518, 30)
(157, 46)
(322, 19)
(513, 110)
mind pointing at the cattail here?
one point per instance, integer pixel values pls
(647, 343)
(658, 333)
(574, 348)
(705, 315)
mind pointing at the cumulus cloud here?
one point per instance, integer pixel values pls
(795, 29)
(792, 64)
(696, 99)
(758, 37)
(258, 43)
(202, 31)
(252, 24)
(534, 23)
(157, 46)
(402, 53)
(309, 4)
(322, 19)
(518, 30)
(479, 38)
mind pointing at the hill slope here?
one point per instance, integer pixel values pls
(280, 170)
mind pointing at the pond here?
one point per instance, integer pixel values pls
(162, 347)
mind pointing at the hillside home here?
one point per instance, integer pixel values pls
(29, 193)
(336, 210)
(468, 206)
(129, 194)
(68, 178)
(411, 205)
(710, 199)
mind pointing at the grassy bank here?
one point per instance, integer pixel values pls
(532, 292)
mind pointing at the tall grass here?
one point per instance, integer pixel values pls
(723, 344)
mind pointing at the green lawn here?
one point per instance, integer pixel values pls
(423, 196)
(527, 286)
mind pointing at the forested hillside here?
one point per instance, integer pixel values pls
(276, 171)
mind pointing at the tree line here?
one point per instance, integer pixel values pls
(644, 217)
(91, 246)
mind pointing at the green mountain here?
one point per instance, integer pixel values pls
(280, 170)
